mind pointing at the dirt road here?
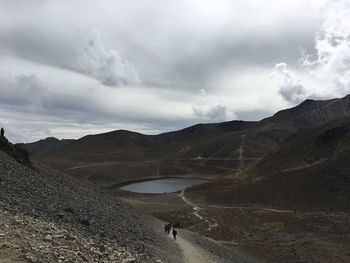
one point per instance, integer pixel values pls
(193, 253)
(194, 248)
(211, 222)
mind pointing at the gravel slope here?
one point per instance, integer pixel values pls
(45, 217)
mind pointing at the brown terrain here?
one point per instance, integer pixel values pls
(279, 188)
(294, 203)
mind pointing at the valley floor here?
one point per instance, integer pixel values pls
(190, 247)
(269, 234)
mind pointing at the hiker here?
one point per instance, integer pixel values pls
(174, 233)
(166, 228)
(169, 227)
(2, 132)
(177, 225)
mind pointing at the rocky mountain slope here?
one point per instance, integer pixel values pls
(312, 112)
(45, 146)
(19, 154)
(47, 217)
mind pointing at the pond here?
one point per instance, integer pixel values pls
(167, 185)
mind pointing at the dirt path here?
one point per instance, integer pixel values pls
(184, 249)
(194, 248)
(211, 222)
(241, 151)
(89, 165)
(193, 253)
(251, 207)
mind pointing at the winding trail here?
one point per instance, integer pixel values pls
(241, 151)
(251, 208)
(89, 165)
(190, 247)
(211, 222)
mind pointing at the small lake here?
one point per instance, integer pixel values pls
(167, 185)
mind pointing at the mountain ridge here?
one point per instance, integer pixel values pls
(310, 171)
(315, 111)
(204, 149)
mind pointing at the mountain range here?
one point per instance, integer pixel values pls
(211, 149)
(278, 188)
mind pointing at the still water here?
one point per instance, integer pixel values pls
(167, 185)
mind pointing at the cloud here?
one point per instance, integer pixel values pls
(22, 90)
(16, 132)
(85, 106)
(175, 63)
(333, 48)
(171, 44)
(106, 65)
(214, 113)
(74, 47)
(326, 73)
(291, 88)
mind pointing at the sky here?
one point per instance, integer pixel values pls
(70, 68)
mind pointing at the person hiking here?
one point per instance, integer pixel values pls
(169, 228)
(174, 233)
(2, 132)
(166, 228)
(177, 225)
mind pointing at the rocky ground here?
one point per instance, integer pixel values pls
(46, 217)
(28, 239)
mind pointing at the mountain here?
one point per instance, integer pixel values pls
(123, 139)
(310, 171)
(311, 112)
(205, 149)
(45, 146)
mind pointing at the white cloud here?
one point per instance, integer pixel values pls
(208, 109)
(332, 63)
(327, 73)
(174, 62)
(291, 88)
(214, 113)
(106, 65)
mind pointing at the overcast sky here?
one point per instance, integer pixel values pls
(74, 67)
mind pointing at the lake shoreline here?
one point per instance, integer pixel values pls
(162, 185)
(144, 179)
